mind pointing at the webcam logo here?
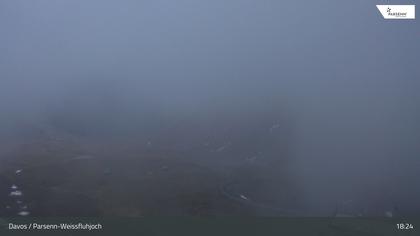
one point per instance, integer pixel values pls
(397, 11)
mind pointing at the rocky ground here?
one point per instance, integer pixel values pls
(49, 173)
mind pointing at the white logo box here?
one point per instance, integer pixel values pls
(398, 12)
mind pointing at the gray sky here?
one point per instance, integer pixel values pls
(349, 78)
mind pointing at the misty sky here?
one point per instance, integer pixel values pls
(349, 79)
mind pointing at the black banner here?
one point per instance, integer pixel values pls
(185, 226)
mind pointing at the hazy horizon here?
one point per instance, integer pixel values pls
(328, 92)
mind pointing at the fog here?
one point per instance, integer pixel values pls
(326, 93)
